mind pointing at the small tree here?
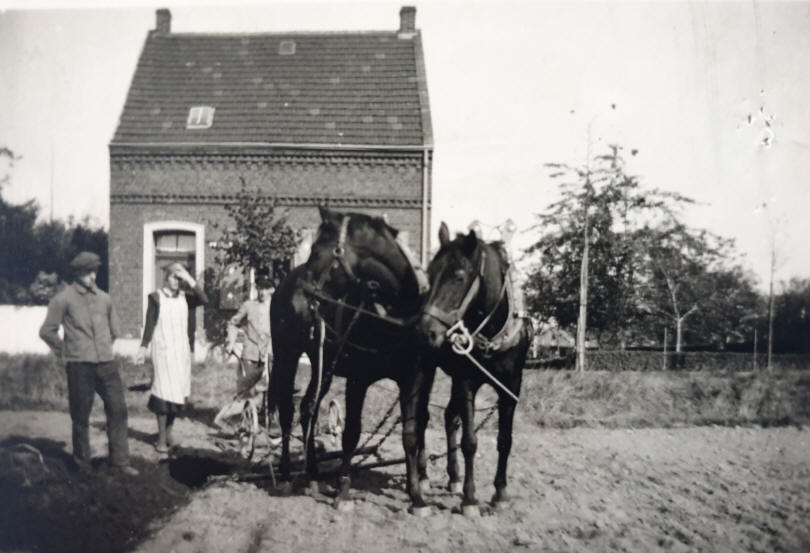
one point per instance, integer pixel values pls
(260, 240)
(602, 202)
(689, 273)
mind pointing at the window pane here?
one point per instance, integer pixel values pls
(166, 242)
(175, 241)
(185, 242)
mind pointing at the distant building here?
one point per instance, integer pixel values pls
(334, 118)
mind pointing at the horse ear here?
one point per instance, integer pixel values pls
(469, 244)
(444, 234)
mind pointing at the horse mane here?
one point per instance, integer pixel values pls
(498, 245)
(377, 223)
(329, 227)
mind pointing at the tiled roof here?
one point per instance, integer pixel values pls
(336, 89)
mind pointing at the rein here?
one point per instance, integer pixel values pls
(339, 254)
(452, 318)
(317, 294)
(462, 341)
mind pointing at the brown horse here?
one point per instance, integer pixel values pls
(469, 315)
(351, 308)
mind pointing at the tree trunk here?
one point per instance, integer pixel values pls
(583, 301)
(678, 331)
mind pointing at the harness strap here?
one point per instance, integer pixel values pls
(449, 318)
(314, 292)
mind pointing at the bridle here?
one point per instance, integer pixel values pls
(450, 318)
(317, 293)
(462, 341)
(454, 319)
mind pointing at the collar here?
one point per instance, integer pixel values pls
(82, 289)
(169, 293)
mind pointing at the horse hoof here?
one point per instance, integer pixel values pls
(312, 488)
(421, 512)
(470, 511)
(284, 488)
(499, 505)
(344, 505)
(424, 486)
(500, 499)
(455, 487)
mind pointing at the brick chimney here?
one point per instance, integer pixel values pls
(407, 20)
(163, 25)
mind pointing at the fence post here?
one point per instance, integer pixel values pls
(755, 349)
(664, 361)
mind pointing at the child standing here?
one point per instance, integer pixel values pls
(167, 327)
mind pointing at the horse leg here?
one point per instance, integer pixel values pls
(409, 404)
(452, 423)
(506, 413)
(280, 394)
(469, 446)
(355, 396)
(424, 419)
(309, 419)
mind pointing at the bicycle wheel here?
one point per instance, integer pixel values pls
(248, 429)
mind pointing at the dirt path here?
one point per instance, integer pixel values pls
(688, 489)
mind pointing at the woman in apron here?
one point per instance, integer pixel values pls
(167, 327)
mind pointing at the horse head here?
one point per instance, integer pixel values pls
(356, 256)
(466, 276)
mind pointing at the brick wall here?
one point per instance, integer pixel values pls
(364, 176)
(195, 189)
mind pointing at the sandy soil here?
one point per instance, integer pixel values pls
(684, 489)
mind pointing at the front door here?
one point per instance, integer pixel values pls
(173, 246)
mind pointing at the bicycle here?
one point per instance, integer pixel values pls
(253, 409)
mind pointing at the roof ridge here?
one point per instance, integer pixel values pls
(241, 34)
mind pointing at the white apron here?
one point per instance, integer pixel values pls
(171, 354)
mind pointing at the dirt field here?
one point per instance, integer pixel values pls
(680, 489)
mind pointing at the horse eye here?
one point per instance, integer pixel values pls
(459, 275)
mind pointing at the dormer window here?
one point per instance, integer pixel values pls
(286, 48)
(200, 117)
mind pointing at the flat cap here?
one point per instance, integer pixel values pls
(264, 281)
(85, 261)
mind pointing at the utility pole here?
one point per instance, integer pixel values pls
(770, 308)
(583, 294)
(51, 179)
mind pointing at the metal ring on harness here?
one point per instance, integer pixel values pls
(460, 339)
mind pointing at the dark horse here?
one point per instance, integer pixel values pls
(470, 313)
(352, 308)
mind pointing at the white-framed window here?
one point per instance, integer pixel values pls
(200, 117)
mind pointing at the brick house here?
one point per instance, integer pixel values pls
(337, 118)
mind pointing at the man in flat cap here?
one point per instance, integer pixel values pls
(90, 325)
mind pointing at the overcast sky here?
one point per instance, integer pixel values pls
(713, 96)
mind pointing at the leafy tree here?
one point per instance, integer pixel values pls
(647, 271)
(17, 249)
(260, 240)
(689, 279)
(35, 254)
(611, 204)
(792, 317)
